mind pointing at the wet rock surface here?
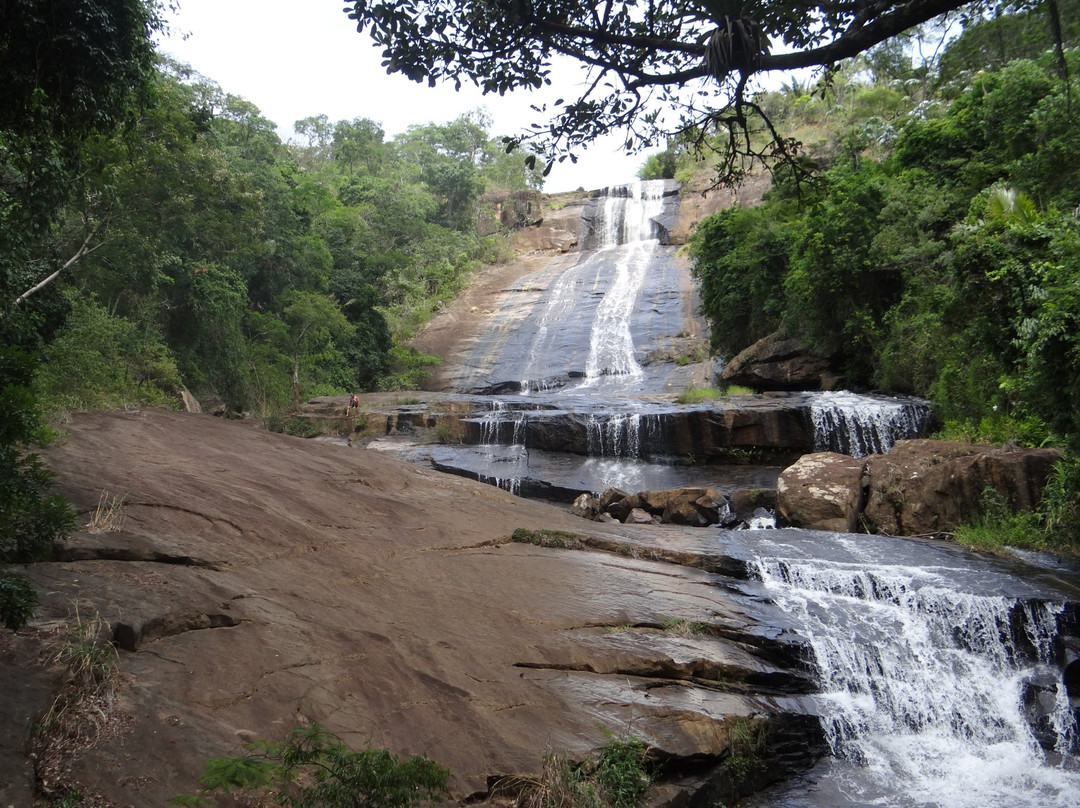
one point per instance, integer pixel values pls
(385, 601)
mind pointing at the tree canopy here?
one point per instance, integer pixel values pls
(645, 58)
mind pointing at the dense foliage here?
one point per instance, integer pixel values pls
(313, 769)
(156, 234)
(30, 519)
(939, 252)
(250, 270)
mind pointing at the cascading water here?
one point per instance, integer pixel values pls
(929, 680)
(622, 242)
(619, 434)
(861, 425)
(627, 227)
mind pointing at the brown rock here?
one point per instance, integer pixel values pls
(821, 491)
(557, 231)
(656, 502)
(620, 508)
(610, 497)
(681, 510)
(288, 581)
(586, 506)
(746, 500)
(929, 486)
(638, 516)
(776, 363)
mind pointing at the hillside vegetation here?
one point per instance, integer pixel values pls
(934, 249)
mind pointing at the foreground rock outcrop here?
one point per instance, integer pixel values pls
(258, 582)
(921, 487)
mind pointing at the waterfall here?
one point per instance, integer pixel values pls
(491, 424)
(860, 425)
(619, 434)
(927, 687)
(626, 232)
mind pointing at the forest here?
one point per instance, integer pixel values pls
(157, 235)
(926, 240)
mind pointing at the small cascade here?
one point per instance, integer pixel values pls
(493, 423)
(932, 695)
(860, 425)
(763, 519)
(618, 435)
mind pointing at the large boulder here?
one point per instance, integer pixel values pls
(777, 363)
(822, 491)
(555, 231)
(930, 486)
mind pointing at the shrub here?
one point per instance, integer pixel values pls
(561, 539)
(998, 527)
(30, 521)
(616, 777)
(313, 769)
(17, 599)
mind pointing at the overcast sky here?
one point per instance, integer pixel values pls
(297, 58)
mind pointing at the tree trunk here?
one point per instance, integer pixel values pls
(296, 382)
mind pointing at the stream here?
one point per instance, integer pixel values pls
(945, 679)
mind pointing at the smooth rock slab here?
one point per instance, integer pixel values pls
(378, 598)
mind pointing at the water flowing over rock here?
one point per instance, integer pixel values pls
(558, 445)
(860, 425)
(581, 354)
(926, 663)
(593, 318)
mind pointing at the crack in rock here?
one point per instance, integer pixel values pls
(130, 554)
(128, 637)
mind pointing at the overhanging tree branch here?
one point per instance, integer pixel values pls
(641, 47)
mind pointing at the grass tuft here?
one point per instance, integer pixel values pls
(108, 516)
(560, 539)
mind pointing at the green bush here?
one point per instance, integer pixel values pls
(616, 777)
(313, 769)
(1060, 507)
(998, 527)
(30, 521)
(18, 599)
(101, 361)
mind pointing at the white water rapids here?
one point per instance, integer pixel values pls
(924, 677)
